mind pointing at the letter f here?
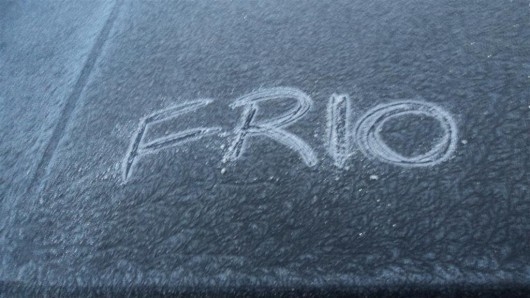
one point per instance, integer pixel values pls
(138, 148)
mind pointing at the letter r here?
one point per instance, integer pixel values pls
(273, 127)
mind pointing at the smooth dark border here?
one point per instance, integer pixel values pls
(9, 289)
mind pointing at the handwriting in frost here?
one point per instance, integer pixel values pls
(338, 132)
(367, 132)
(341, 132)
(138, 147)
(271, 128)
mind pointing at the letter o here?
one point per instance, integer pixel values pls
(368, 128)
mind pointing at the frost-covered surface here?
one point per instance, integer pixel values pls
(188, 218)
(43, 48)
